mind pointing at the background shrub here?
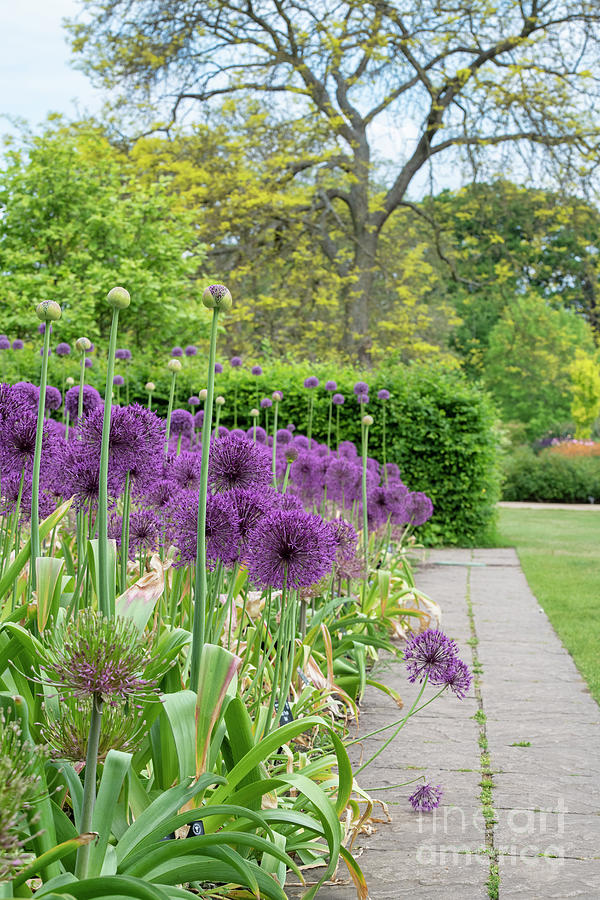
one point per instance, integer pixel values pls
(551, 478)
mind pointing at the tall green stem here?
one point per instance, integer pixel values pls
(37, 458)
(199, 625)
(125, 531)
(329, 423)
(274, 455)
(365, 442)
(169, 411)
(105, 598)
(89, 785)
(81, 385)
(311, 403)
(385, 474)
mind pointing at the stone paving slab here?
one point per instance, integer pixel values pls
(546, 796)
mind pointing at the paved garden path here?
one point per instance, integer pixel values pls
(518, 759)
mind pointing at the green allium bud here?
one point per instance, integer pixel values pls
(367, 420)
(203, 394)
(220, 401)
(174, 365)
(291, 453)
(48, 311)
(150, 386)
(217, 296)
(277, 396)
(118, 298)
(254, 413)
(83, 344)
(70, 381)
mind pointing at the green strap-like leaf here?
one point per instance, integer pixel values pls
(115, 769)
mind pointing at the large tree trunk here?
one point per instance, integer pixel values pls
(361, 297)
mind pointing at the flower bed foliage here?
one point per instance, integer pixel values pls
(552, 477)
(188, 617)
(439, 427)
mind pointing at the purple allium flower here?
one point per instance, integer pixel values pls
(91, 400)
(122, 353)
(307, 474)
(250, 506)
(459, 679)
(118, 381)
(301, 441)
(311, 382)
(346, 538)
(418, 508)
(63, 349)
(26, 394)
(290, 548)
(261, 434)
(347, 449)
(135, 440)
(237, 462)
(235, 362)
(426, 798)
(96, 656)
(17, 442)
(80, 476)
(363, 399)
(42, 328)
(256, 370)
(383, 394)
(177, 351)
(361, 387)
(291, 427)
(218, 368)
(161, 492)
(331, 386)
(194, 400)
(88, 363)
(4, 343)
(392, 470)
(144, 531)
(198, 419)
(182, 422)
(238, 432)
(186, 470)
(18, 344)
(53, 398)
(344, 480)
(222, 535)
(277, 396)
(284, 436)
(49, 350)
(291, 453)
(266, 402)
(191, 350)
(430, 654)
(338, 399)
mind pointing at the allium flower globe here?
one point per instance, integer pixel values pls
(290, 548)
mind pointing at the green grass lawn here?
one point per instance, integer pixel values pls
(560, 555)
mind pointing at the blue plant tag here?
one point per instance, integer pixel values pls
(286, 716)
(196, 828)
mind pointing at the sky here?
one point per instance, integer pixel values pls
(35, 75)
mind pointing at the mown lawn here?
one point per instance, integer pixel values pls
(560, 554)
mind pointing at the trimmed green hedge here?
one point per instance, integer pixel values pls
(551, 478)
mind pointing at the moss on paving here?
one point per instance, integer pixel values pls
(559, 551)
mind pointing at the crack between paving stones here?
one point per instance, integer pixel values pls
(487, 776)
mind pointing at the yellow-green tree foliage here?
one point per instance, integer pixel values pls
(585, 406)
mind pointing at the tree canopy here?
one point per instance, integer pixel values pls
(470, 77)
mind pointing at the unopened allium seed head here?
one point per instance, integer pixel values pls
(174, 365)
(254, 413)
(69, 381)
(203, 395)
(291, 453)
(150, 386)
(83, 344)
(48, 311)
(118, 298)
(367, 420)
(277, 396)
(217, 296)
(220, 400)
